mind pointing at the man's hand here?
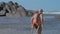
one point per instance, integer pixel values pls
(42, 26)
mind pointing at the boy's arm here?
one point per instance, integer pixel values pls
(32, 24)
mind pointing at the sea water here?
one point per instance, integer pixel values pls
(23, 25)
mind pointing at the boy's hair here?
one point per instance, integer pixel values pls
(35, 11)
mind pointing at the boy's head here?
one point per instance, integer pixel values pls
(36, 11)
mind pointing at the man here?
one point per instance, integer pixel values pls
(37, 21)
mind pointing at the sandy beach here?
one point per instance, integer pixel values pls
(17, 26)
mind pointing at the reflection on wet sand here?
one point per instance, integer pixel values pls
(51, 26)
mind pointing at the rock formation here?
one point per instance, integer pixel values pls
(13, 9)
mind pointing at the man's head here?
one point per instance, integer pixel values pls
(41, 11)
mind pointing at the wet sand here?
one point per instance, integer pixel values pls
(51, 26)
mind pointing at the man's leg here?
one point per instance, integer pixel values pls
(39, 30)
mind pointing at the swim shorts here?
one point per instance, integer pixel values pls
(36, 26)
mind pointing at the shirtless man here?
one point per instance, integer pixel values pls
(37, 21)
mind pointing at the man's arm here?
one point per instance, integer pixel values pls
(41, 18)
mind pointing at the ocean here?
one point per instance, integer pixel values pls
(17, 25)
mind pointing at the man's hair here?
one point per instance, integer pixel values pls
(41, 10)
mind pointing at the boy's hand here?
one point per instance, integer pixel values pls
(32, 29)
